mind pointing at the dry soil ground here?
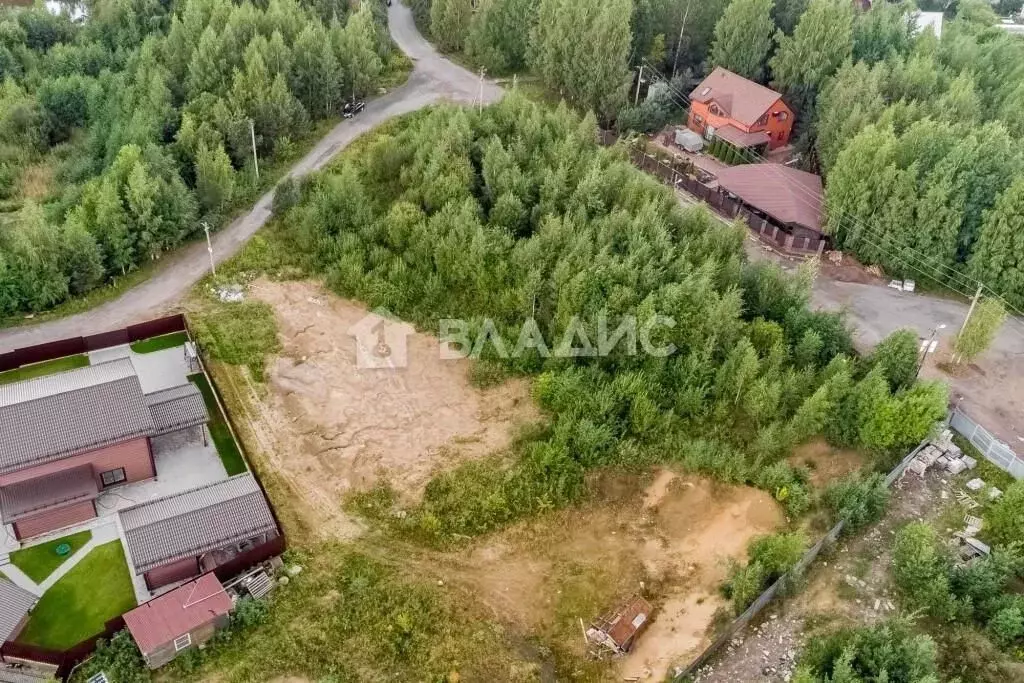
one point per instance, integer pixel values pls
(326, 427)
(330, 427)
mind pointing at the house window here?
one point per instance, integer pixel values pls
(763, 120)
(182, 642)
(698, 118)
(111, 477)
(782, 115)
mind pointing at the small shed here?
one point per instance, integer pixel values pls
(617, 631)
(183, 618)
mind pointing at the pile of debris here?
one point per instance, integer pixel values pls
(942, 454)
(615, 633)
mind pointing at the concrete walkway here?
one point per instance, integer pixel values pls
(101, 534)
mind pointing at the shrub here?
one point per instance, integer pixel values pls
(1005, 520)
(858, 500)
(249, 613)
(889, 651)
(1007, 625)
(921, 570)
(119, 658)
(286, 196)
(770, 557)
(897, 356)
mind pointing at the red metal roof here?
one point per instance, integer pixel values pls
(739, 138)
(742, 100)
(786, 194)
(182, 610)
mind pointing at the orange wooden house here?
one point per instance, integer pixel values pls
(741, 112)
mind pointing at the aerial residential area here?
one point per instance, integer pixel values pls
(512, 340)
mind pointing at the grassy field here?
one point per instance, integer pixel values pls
(227, 448)
(39, 561)
(165, 341)
(48, 367)
(78, 606)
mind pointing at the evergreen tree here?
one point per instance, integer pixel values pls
(821, 42)
(315, 72)
(359, 61)
(743, 38)
(449, 23)
(215, 179)
(998, 257)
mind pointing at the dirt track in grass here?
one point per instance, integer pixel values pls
(332, 427)
(671, 541)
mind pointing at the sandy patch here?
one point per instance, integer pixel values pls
(825, 463)
(339, 428)
(671, 541)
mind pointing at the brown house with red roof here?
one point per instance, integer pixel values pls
(741, 112)
(182, 619)
(66, 438)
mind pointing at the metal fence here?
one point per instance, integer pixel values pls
(678, 174)
(994, 450)
(762, 601)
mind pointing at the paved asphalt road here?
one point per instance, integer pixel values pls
(433, 78)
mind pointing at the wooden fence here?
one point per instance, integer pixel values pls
(762, 601)
(75, 345)
(679, 174)
(64, 660)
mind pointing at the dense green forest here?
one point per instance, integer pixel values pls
(121, 132)
(916, 136)
(517, 214)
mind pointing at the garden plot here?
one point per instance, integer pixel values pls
(671, 542)
(331, 427)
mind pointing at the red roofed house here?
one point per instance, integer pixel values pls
(739, 111)
(186, 617)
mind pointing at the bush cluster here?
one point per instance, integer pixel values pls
(516, 215)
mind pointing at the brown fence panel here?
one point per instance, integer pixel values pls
(8, 361)
(155, 328)
(49, 351)
(32, 653)
(250, 558)
(105, 340)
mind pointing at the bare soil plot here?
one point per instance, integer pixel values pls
(671, 541)
(826, 463)
(329, 427)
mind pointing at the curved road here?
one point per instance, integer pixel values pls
(433, 78)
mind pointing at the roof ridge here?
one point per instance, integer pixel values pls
(748, 80)
(209, 485)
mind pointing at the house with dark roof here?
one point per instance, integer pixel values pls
(741, 112)
(180, 536)
(68, 437)
(15, 605)
(179, 620)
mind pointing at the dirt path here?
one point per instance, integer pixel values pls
(671, 541)
(433, 78)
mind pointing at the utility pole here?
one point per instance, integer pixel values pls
(679, 45)
(255, 162)
(967, 319)
(480, 108)
(639, 80)
(209, 248)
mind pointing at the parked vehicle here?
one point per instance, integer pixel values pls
(352, 107)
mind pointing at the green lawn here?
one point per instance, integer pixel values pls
(78, 606)
(41, 560)
(48, 367)
(165, 341)
(227, 448)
